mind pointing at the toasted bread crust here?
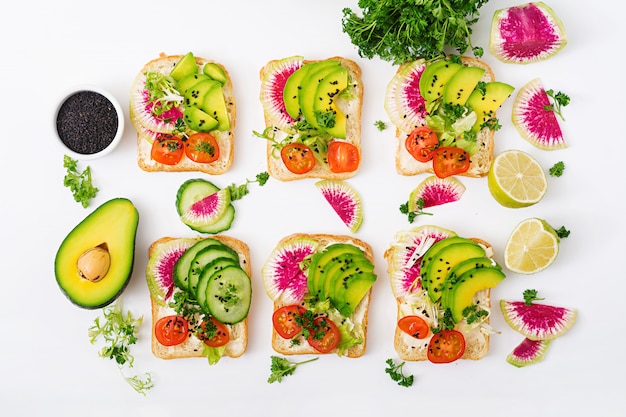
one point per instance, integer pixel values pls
(480, 162)
(275, 165)
(226, 140)
(192, 347)
(360, 316)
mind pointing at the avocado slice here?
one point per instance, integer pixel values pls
(486, 103)
(215, 72)
(321, 261)
(349, 265)
(215, 105)
(188, 81)
(351, 290)
(460, 86)
(453, 276)
(435, 77)
(469, 283)
(429, 256)
(291, 91)
(444, 260)
(187, 65)
(308, 88)
(325, 102)
(94, 262)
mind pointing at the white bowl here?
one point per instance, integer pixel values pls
(84, 123)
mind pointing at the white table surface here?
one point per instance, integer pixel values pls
(47, 362)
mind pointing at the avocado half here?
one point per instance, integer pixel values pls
(95, 261)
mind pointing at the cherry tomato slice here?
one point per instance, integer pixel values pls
(446, 346)
(421, 143)
(298, 158)
(414, 326)
(171, 330)
(324, 335)
(285, 320)
(213, 333)
(450, 160)
(167, 149)
(343, 157)
(202, 148)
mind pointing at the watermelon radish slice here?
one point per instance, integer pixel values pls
(272, 86)
(405, 255)
(434, 191)
(528, 352)
(537, 321)
(141, 109)
(344, 200)
(206, 210)
(404, 103)
(527, 33)
(159, 271)
(534, 119)
(283, 274)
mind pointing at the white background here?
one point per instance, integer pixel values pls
(47, 363)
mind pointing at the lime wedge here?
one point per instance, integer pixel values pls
(516, 179)
(532, 247)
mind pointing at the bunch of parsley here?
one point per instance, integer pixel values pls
(404, 30)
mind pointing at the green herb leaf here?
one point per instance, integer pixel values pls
(562, 232)
(559, 100)
(380, 125)
(237, 192)
(411, 215)
(404, 30)
(119, 332)
(557, 169)
(530, 296)
(80, 183)
(282, 367)
(396, 373)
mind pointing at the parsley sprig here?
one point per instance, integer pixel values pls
(118, 330)
(237, 192)
(404, 209)
(282, 367)
(557, 169)
(396, 373)
(559, 100)
(530, 296)
(403, 30)
(80, 183)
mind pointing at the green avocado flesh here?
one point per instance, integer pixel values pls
(113, 226)
(469, 284)
(187, 65)
(343, 274)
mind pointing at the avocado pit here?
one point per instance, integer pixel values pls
(94, 263)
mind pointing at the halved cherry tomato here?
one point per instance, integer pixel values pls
(343, 157)
(171, 330)
(421, 143)
(202, 148)
(167, 149)
(414, 326)
(324, 335)
(298, 158)
(213, 333)
(446, 346)
(285, 320)
(450, 160)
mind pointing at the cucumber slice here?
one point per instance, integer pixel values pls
(228, 295)
(194, 190)
(181, 268)
(204, 258)
(214, 266)
(220, 225)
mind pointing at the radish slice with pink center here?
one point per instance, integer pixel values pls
(344, 200)
(434, 191)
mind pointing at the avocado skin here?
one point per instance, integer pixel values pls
(114, 218)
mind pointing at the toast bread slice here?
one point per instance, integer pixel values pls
(225, 139)
(480, 162)
(193, 347)
(412, 349)
(359, 318)
(352, 109)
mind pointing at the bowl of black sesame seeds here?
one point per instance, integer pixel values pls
(89, 122)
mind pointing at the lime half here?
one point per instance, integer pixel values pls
(516, 179)
(532, 247)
